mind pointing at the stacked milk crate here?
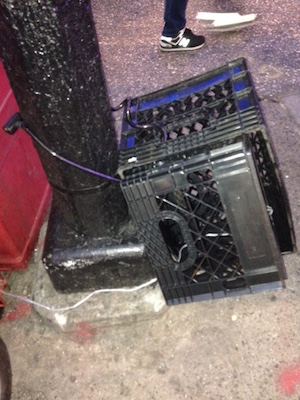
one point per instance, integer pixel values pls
(201, 182)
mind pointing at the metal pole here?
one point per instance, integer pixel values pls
(50, 52)
(51, 56)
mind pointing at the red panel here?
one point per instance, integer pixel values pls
(24, 191)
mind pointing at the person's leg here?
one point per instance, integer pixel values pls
(175, 36)
(174, 16)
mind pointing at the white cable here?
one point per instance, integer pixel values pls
(180, 252)
(178, 259)
(80, 302)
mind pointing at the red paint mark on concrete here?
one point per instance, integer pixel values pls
(84, 333)
(289, 379)
(22, 311)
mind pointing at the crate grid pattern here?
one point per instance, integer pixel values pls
(201, 207)
(272, 188)
(213, 107)
(173, 195)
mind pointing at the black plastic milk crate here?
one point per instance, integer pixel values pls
(175, 121)
(208, 221)
(205, 191)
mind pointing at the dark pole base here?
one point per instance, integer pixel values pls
(51, 55)
(77, 263)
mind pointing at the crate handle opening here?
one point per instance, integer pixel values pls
(178, 240)
(174, 240)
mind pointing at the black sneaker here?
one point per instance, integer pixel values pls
(185, 40)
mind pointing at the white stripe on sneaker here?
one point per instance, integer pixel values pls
(184, 42)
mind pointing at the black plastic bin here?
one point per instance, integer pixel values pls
(205, 191)
(202, 110)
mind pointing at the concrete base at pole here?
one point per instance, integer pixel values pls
(100, 309)
(77, 263)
